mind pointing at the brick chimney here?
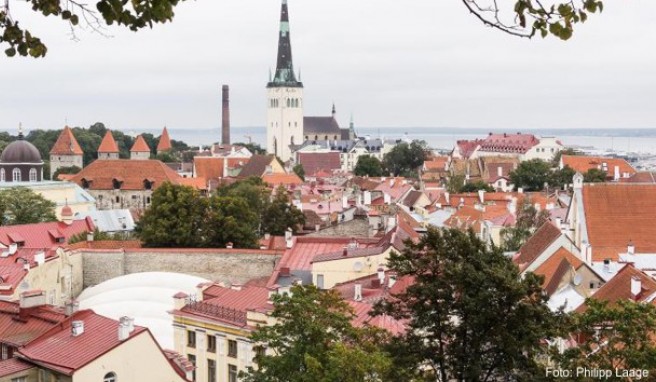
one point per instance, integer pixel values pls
(225, 117)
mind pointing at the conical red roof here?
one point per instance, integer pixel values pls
(108, 144)
(140, 146)
(66, 144)
(164, 141)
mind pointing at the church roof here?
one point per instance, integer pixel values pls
(284, 76)
(140, 146)
(108, 144)
(164, 143)
(66, 144)
(321, 126)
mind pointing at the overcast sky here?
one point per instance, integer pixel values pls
(413, 63)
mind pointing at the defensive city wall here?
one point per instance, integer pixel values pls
(220, 265)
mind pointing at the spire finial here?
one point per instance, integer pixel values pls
(334, 110)
(20, 130)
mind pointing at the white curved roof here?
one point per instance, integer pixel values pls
(147, 297)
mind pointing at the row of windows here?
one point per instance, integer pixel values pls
(16, 175)
(211, 344)
(290, 102)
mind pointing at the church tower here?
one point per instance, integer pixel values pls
(284, 98)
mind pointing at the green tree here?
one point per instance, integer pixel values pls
(368, 166)
(450, 335)
(167, 157)
(561, 177)
(279, 215)
(65, 170)
(531, 175)
(20, 205)
(252, 189)
(523, 18)
(174, 218)
(299, 170)
(614, 336)
(476, 186)
(229, 219)
(405, 159)
(529, 219)
(313, 340)
(594, 175)
(567, 151)
(455, 183)
(97, 235)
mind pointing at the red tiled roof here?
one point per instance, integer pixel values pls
(618, 213)
(140, 145)
(108, 144)
(394, 187)
(362, 318)
(583, 164)
(100, 174)
(304, 249)
(212, 168)
(164, 143)
(37, 235)
(19, 328)
(257, 165)
(467, 148)
(66, 144)
(641, 177)
(513, 143)
(12, 366)
(436, 164)
(313, 163)
(619, 287)
(536, 244)
(62, 352)
(347, 253)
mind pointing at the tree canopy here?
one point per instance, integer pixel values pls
(313, 339)
(471, 317)
(523, 18)
(368, 166)
(405, 159)
(529, 219)
(21, 205)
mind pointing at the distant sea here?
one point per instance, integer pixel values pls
(639, 141)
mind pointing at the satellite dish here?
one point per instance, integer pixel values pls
(578, 279)
(358, 266)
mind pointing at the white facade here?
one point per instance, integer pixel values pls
(546, 149)
(284, 120)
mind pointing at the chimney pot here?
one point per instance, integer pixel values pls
(77, 328)
(636, 287)
(358, 292)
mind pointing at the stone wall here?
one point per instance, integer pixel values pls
(220, 265)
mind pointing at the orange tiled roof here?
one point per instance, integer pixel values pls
(583, 164)
(198, 183)
(140, 146)
(536, 244)
(164, 143)
(108, 144)
(281, 179)
(131, 174)
(618, 213)
(436, 164)
(619, 287)
(66, 144)
(550, 266)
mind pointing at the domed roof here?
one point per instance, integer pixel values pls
(20, 151)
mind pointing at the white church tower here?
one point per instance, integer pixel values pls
(284, 98)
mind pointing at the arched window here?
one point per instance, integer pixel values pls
(32, 175)
(288, 102)
(85, 184)
(2, 174)
(110, 377)
(16, 175)
(326, 138)
(116, 184)
(148, 185)
(292, 140)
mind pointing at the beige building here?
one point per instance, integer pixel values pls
(213, 330)
(88, 347)
(61, 193)
(349, 264)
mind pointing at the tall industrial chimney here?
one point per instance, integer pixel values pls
(225, 124)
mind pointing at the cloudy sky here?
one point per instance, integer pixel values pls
(414, 63)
